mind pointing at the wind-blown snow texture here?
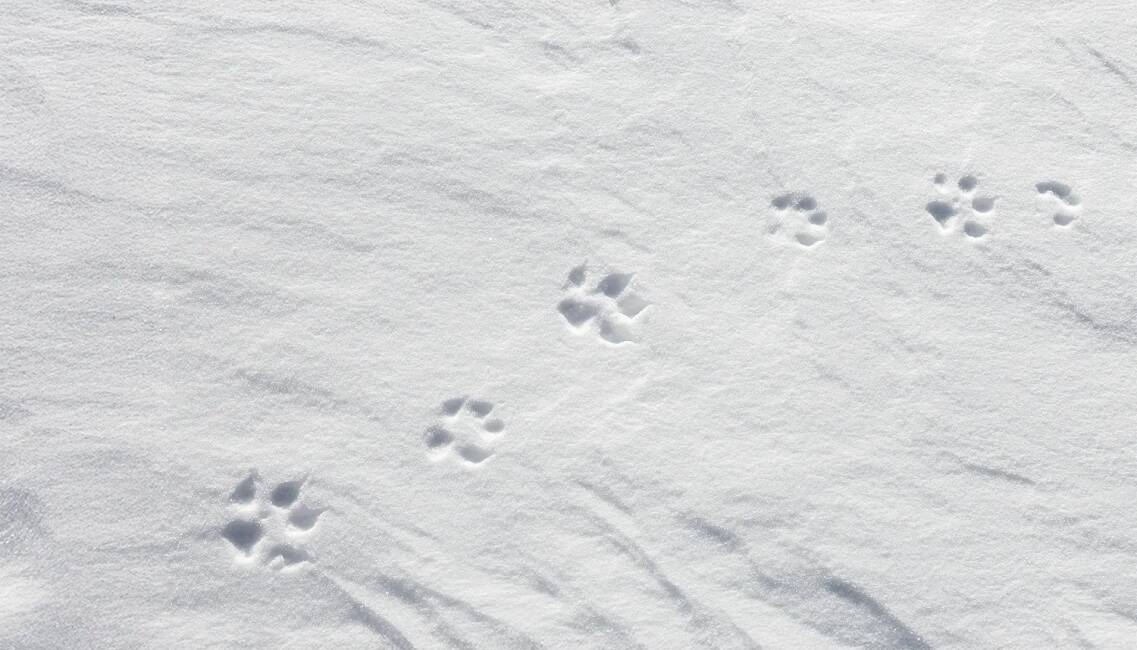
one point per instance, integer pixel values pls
(604, 324)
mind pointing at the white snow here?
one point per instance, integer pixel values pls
(604, 324)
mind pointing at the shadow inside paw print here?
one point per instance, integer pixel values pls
(964, 204)
(797, 215)
(465, 431)
(1069, 205)
(271, 533)
(614, 310)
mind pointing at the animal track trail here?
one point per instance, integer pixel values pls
(466, 432)
(609, 309)
(962, 207)
(270, 531)
(1069, 206)
(798, 220)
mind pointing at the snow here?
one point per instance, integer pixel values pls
(603, 324)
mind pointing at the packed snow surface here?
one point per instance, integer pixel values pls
(601, 324)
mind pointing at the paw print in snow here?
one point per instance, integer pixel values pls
(271, 533)
(465, 430)
(614, 310)
(963, 204)
(797, 218)
(1069, 205)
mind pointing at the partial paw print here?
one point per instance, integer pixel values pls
(466, 431)
(1069, 205)
(270, 531)
(963, 204)
(609, 308)
(798, 219)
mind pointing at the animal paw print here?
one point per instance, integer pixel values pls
(465, 431)
(797, 212)
(271, 533)
(965, 205)
(1069, 205)
(609, 308)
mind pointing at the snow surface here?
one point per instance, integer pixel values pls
(603, 324)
